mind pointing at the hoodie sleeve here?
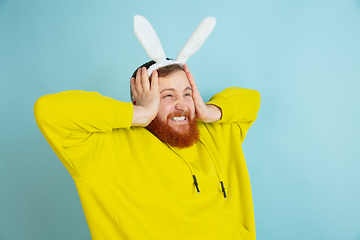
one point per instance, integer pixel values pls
(238, 105)
(62, 116)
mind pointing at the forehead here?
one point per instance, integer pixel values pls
(176, 81)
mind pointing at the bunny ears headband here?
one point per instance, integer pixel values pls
(151, 43)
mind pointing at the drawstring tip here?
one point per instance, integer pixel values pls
(223, 189)
(196, 184)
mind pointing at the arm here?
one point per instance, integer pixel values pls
(239, 106)
(146, 97)
(204, 112)
(79, 111)
(232, 105)
(70, 119)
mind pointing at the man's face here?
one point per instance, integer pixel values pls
(175, 122)
(176, 102)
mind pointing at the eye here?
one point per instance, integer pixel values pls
(187, 95)
(168, 96)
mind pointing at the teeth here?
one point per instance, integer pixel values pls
(179, 118)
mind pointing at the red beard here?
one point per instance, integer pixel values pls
(189, 133)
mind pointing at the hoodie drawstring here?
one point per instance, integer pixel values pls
(223, 189)
(196, 184)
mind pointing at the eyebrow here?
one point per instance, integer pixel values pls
(173, 89)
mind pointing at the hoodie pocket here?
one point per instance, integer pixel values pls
(231, 230)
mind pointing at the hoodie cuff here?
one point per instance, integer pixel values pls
(123, 114)
(225, 106)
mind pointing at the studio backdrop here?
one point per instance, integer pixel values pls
(302, 56)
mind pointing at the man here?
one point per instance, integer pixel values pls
(167, 166)
(173, 121)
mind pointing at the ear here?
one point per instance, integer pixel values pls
(197, 39)
(149, 39)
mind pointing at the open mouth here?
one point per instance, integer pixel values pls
(182, 118)
(179, 117)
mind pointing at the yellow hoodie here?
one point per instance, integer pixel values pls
(133, 186)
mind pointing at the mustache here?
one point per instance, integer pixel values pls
(178, 114)
(165, 133)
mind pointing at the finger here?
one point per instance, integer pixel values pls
(191, 80)
(138, 81)
(133, 88)
(186, 69)
(145, 79)
(189, 75)
(196, 94)
(154, 81)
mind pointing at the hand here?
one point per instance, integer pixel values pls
(204, 112)
(146, 97)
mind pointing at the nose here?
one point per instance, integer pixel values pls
(181, 104)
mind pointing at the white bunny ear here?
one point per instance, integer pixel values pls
(149, 39)
(197, 39)
(151, 43)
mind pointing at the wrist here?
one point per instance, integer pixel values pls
(142, 116)
(214, 113)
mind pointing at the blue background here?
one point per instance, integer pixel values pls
(303, 56)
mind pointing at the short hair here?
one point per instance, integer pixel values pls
(147, 65)
(162, 72)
